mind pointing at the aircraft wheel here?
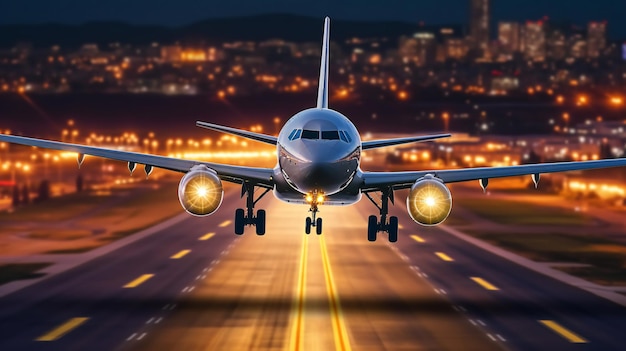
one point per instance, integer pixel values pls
(260, 222)
(372, 228)
(307, 227)
(239, 221)
(318, 226)
(393, 229)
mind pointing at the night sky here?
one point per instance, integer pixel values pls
(180, 12)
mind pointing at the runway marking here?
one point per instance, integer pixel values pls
(158, 320)
(181, 254)
(63, 329)
(225, 223)
(142, 336)
(206, 236)
(564, 332)
(444, 257)
(339, 327)
(297, 326)
(491, 337)
(418, 239)
(485, 284)
(131, 337)
(501, 338)
(135, 283)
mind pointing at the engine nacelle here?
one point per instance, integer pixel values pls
(200, 191)
(429, 202)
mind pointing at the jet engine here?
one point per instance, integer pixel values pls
(200, 191)
(429, 202)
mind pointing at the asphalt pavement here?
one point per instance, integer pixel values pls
(197, 286)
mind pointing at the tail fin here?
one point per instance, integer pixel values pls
(322, 89)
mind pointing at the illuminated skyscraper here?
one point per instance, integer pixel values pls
(596, 38)
(535, 41)
(508, 39)
(479, 27)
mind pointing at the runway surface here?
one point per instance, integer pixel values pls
(197, 286)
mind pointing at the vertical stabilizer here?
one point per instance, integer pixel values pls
(322, 88)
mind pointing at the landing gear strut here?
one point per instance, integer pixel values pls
(243, 218)
(374, 225)
(314, 199)
(313, 222)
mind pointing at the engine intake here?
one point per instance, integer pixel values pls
(200, 191)
(429, 202)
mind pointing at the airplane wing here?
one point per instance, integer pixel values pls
(374, 181)
(372, 144)
(236, 174)
(268, 139)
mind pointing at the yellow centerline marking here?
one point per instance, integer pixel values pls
(297, 327)
(138, 281)
(63, 329)
(339, 327)
(225, 223)
(181, 254)
(418, 239)
(444, 257)
(485, 284)
(564, 332)
(206, 236)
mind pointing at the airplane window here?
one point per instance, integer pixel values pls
(330, 135)
(293, 132)
(297, 136)
(348, 136)
(310, 134)
(343, 136)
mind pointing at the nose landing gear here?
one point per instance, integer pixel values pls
(314, 199)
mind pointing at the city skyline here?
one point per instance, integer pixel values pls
(188, 11)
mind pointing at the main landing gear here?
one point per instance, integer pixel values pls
(243, 218)
(374, 225)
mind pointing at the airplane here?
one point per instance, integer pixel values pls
(318, 163)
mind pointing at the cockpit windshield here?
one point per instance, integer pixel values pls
(330, 135)
(315, 135)
(310, 134)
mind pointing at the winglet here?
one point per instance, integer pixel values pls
(322, 89)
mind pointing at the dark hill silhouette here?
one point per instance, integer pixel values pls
(285, 26)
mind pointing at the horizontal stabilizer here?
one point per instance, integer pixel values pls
(268, 139)
(372, 144)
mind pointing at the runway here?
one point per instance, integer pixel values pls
(197, 286)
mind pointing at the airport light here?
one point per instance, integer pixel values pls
(617, 101)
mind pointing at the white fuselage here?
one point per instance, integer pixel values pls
(319, 152)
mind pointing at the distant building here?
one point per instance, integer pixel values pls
(596, 38)
(479, 27)
(535, 41)
(556, 43)
(456, 48)
(577, 46)
(426, 48)
(508, 39)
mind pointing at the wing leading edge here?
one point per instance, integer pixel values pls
(237, 174)
(373, 181)
(268, 139)
(372, 144)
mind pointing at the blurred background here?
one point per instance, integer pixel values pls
(515, 82)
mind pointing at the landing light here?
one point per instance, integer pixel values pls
(320, 198)
(309, 198)
(201, 191)
(430, 201)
